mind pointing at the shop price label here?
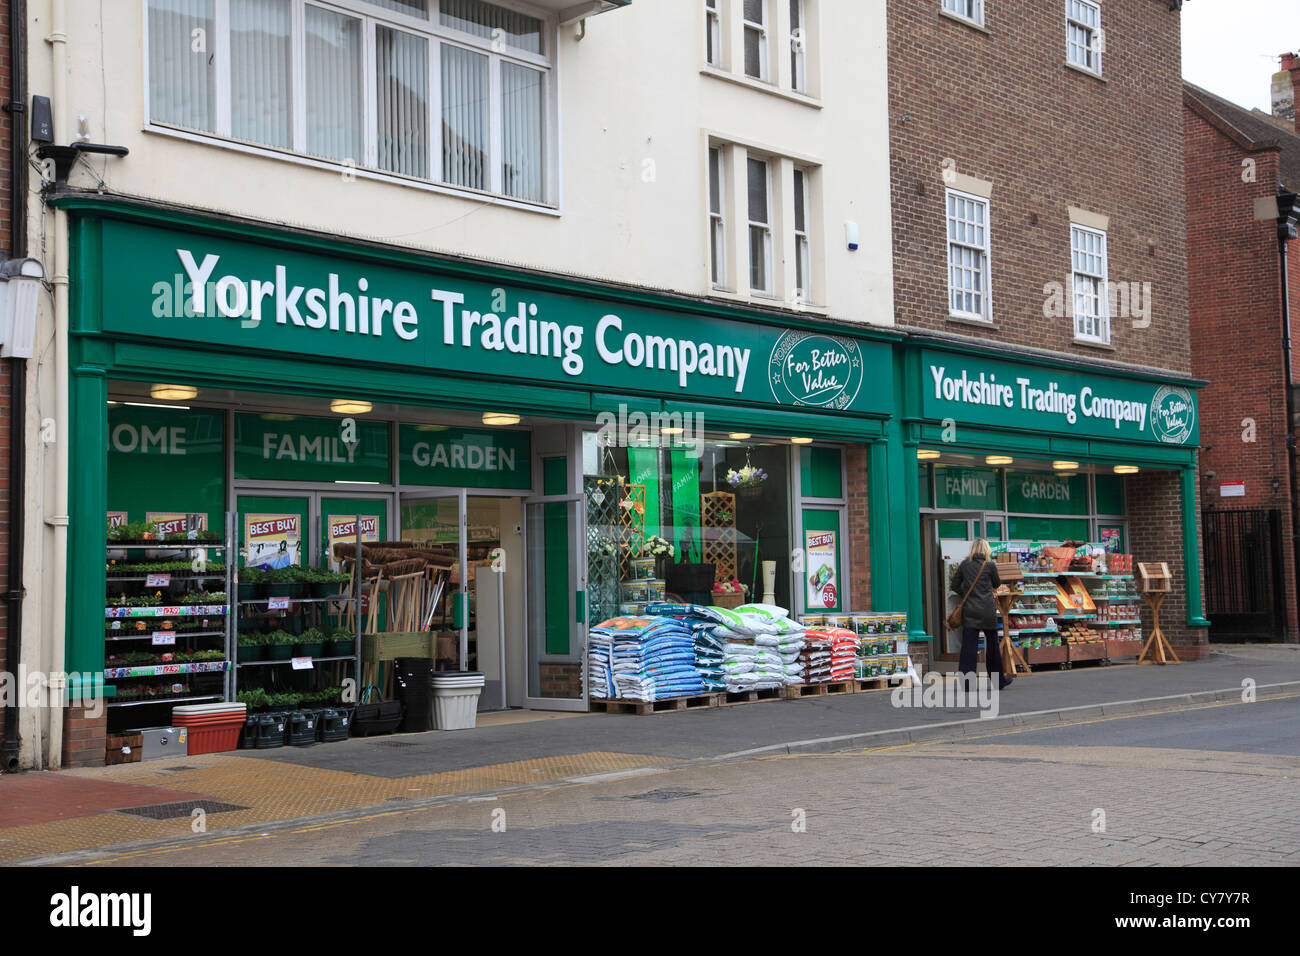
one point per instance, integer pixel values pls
(302, 663)
(828, 595)
(279, 604)
(158, 580)
(164, 637)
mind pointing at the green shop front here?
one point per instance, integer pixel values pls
(290, 399)
(1028, 452)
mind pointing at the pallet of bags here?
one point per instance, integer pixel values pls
(709, 655)
(844, 653)
(816, 657)
(647, 659)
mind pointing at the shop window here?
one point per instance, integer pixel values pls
(1110, 495)
(350, 84)
(275, 447)
(802, 243)
(967, 489)
(798, 46)
(821, 472)
(926, 492)
(717, 220)
(697, 503)
(1047, 493)
(760, 225)
(1047, 529)
(187, 446)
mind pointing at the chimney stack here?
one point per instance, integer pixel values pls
(1286, 90)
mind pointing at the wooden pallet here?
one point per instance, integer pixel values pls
(796, 691)
(751, 696)
(600, 705)
(864, 684)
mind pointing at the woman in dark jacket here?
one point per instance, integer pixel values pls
(980, 612)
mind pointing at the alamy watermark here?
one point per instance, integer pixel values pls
(35, 689)
(937, 689)
(637, 429)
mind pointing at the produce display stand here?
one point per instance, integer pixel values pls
(1012, 660)
(1157, 584)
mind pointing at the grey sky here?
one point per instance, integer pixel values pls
(1230, 47)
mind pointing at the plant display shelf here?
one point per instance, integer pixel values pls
(1035, 630)
(167, 670)
(177, 544)
(339, 599)
(1119, 623)
(1074, 617)
(111, 611)
(179, 634)
(174, 575)
(1024, 611)
(290, 660)
(163, 700)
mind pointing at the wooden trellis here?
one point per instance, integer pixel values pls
(718, 513)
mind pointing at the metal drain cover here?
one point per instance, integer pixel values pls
(396, 743)
(664, 795)
(171, 811)
(175, 769)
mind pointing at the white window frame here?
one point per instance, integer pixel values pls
(434, 33)
(802, 250)
(764, 227)
(748, 26)
(1090, 327)
(713, 33)
(985, 262)
(959, 8)
(1085, 55)
(717, 218)
(799, 46)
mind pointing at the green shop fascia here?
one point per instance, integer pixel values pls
(161, 295)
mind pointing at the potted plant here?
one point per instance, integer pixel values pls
(311, 643)
(283, 582)
(279, 646)
(747, 482)
(342, 643)
(251, 648)
(728, 594)
(659, 549)
(252, 583)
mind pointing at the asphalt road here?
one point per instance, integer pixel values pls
(1210, 786)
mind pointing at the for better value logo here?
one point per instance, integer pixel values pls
(807, 368)
(1173, 415)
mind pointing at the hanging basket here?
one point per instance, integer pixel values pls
(749, 492)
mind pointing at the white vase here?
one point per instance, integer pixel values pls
(769, 582)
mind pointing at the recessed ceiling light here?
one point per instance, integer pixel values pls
(1065, 465)
(927, 454)
(800, 441)
(430, 428)
(500, 418)
(998, 460)
(350, 406)
(173, 393)
(740, 436)
(1126, 469)
(671, 430)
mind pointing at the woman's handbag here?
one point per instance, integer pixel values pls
(954, 616)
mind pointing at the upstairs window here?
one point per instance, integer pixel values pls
(1088, 264)
(802, 245)
(972, 10)
(798, 47)
(1083, 34)
(456, 92)
(756, 39)
(712, 33)
(717, 221)
(760, 226)
(968, 256)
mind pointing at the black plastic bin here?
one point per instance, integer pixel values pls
(414, 684)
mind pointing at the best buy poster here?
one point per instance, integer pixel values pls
(822, 570)
(272, 540)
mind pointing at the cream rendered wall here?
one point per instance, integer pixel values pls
(631, 93)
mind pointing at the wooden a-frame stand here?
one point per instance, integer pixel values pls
(1012, 659)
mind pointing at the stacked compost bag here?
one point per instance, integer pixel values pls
(644, 659)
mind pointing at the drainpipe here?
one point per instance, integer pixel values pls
(1288, 210)
(9, 747)
(56, 515)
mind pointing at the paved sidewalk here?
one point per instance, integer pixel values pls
(42, 814)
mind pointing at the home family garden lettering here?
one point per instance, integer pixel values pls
(333, 309)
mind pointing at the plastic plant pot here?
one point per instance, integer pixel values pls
(279, 652)
(341, 648)
(314, 649)
(251, 652)
(281, 589)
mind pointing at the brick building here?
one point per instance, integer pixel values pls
(1033, 147)
(1236, 160)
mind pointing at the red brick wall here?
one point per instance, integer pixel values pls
(1155, 530)
(1236, 330)
(859, 545)
(1003, 107)
(84, 737)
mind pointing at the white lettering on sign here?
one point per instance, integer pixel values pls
(463, 456)
(260, 529)
(163, 440)
(682, 356)
(1045, 488)
(284, 447)
(1052, 400)
(966, 486)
